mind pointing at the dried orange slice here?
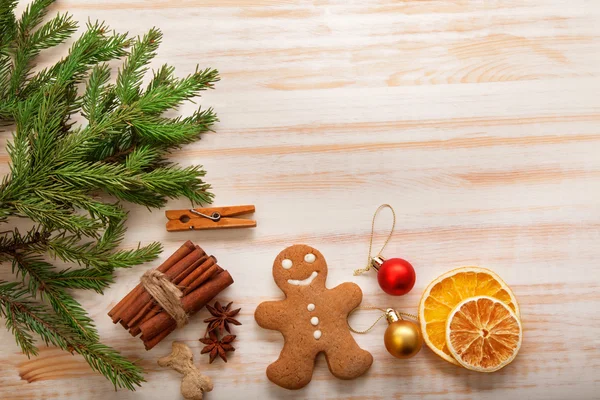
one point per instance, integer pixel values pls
(445, 292)
(483, 334)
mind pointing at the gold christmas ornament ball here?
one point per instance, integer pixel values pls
(403, 339)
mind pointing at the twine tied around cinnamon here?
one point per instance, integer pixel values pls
(166, 294)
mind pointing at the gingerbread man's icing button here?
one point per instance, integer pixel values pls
(311, 307)
(310, 258)
(314, 321)
(317, 335)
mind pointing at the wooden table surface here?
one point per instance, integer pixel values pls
(479, 121)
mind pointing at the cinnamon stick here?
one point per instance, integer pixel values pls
(179, 254)
(158, 338)
(198, 276)
(184, 283)
(151, 309)
(191, 303)
(191, 269)
(144, 297)
(142, 313)
(183, 250)
(205, 276)
(185, 263)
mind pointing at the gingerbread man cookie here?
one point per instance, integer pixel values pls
(312, 319)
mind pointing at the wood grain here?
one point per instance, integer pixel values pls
(479, 121)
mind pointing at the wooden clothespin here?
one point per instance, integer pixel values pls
(209, 218)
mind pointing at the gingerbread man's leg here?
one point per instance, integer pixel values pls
(293, 369)
(347, 360)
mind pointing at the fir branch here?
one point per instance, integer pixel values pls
(91, 255)
(163, 76)
(93, 99)
(23, 336)
(26, 316)
(130, 76)
(69, 310)
(142, 158)
(39, 274)
(93, 47)
(29, 45)
(82, 278)
(120, 371)
(100, 254)
(176, 182)
(20, 151)
(36, 239)
(112, 237)
(130, 258)
(32, 16)
(8, 22)
(175, 132)
(45, 212)
(52, 33)
(70, 197)
(6, 106)
(57, 170)
(89, 175)
(33, 271)
(165, 92)
(8, 31)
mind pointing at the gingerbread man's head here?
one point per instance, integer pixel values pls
(299, 267)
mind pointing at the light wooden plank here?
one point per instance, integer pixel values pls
(477, 120)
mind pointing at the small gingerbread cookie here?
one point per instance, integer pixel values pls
(312, 319)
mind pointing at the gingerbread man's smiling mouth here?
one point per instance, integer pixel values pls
(304, 282)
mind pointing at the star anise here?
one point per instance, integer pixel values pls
(221, 317)
(217, 347)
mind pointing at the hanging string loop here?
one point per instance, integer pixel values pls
(387, 240)
(382, 316)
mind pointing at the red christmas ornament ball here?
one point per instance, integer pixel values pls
(396, 276)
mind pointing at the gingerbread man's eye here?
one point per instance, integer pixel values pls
(287, 263)
(310, 258)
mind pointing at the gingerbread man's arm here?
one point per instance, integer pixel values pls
(271, 314)
(348, 295)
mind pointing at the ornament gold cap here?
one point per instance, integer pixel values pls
(376, 262)
(392, 316)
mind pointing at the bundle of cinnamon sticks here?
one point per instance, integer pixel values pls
(198, 277)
